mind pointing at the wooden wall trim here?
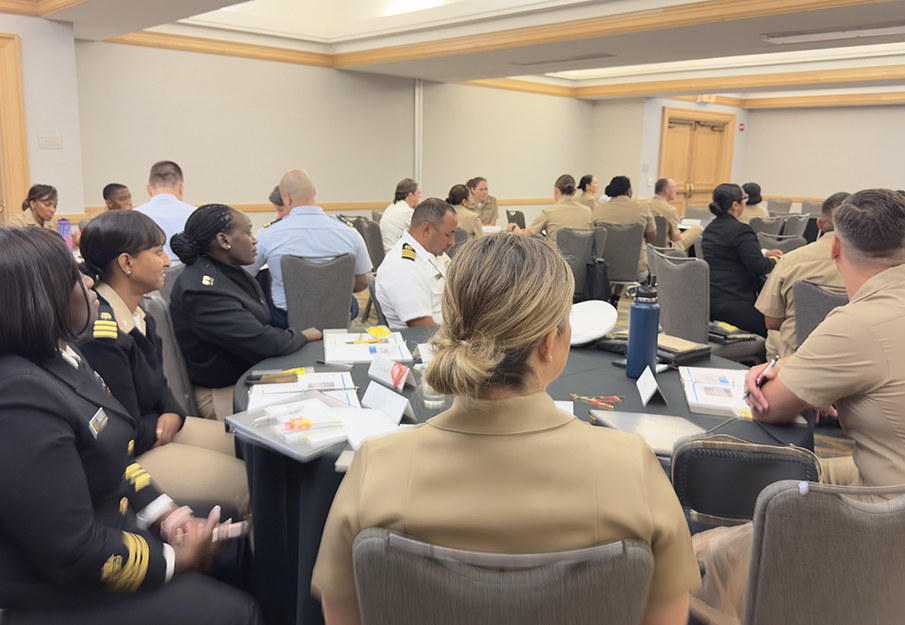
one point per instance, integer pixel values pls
(48, 7)
(13, 138)
(847, 99)
(525, 86)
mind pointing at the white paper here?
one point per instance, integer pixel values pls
(347, 397)
(360, 424)
(568, 406)
(388, 402)
(427, 352)
(382, 370)
(647, 386)
(351, 348)
(265, 394)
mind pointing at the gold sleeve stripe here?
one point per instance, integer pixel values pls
(128, 577)
(137, 476)
(100, 334)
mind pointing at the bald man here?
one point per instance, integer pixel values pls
(305, 231)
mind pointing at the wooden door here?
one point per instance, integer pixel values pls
(696, 152)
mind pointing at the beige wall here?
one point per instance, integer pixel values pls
(235, 125)
(617, 134)
(814, 152)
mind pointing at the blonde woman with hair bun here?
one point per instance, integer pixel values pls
(504, 470)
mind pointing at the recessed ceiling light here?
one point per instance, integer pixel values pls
(836, 35)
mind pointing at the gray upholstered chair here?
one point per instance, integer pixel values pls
(818, 556)
(782, 243)
(683, 287)
(662, 238)
(576, 247)
(666, 251)
(377, 214)
(779, 206)
(371, 235)
(517, 218)
(704, 214)
(174, 366)
(318, 291)
(622, 252)
(767, 226)
(795, 225)
(811, 208)
(402, 581)
(170, 275)
(461, 237)
(813, 302)
(372, 289)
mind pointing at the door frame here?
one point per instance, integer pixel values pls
(13, 137)
(694, 115)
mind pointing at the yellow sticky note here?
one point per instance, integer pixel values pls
(379, 331)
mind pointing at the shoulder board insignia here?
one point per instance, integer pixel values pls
(207, 281)
(408, 251)
(345, 220)
(105, 327)
(270, 223)
(105, 316)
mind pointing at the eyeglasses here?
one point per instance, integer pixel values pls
(744, 199)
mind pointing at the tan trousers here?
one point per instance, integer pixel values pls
(841, 471)
(687, 238)
(214, 403)
(200, 465)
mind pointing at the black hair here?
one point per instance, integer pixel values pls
(165, 174)
(112, 188)
(619, 185)
(201, 228)
(474, 182)
(565, 184)
(752, 190)
(39, 192)
(724, 196)
(585, 181)
(872, 222)
(113, 233)
(458, 194)
(831, 203)
(39, 273)
(432, 210)
(276, 198)
(405, 187)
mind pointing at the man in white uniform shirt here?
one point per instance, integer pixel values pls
(411, 278)
(166, 208)
(398, 216)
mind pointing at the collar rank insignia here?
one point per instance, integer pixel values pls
(207, 281)
(346, 221)
(408, 252)
(270, 223)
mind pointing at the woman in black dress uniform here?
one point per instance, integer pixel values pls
(79, 518)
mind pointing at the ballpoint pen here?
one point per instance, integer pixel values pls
(760, 379)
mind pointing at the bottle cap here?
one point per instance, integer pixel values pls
(646, 294)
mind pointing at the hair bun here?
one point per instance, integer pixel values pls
(184, 248)
(715, 208)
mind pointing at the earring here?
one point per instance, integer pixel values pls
(129, 274)
(228, 246)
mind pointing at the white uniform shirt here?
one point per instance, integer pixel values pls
(397, 218)
(170, 214)
(410, 283)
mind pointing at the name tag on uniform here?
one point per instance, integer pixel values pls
(98, 422)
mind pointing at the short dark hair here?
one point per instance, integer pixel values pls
(585, 181)
(404, 188)
(661, 185)
(830, 204)
(276, 198)
(39, 192)
(202, 227)
(113, 233)
(39, 273)
(432, 210)
(458, 194)
(871, 223)
(752, 190)
(619, 185)
(724, 196)
(112, 188)
(165, 174)
(565, 184)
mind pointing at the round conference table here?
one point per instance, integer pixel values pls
(291, 500)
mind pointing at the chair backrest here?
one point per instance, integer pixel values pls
(174, 366)
(666, 251)
(169, 280)
(402, 581)
(693, 212)
(811, 208)
(721, 476)
(699, 248)
(576, 246)
(662, 237)
(318, 294)
(767, 226)
(782, 243)
(374, 242)
(623, 250)
(372, 289)
(795, 225)
(516, 217)
(683, 289)
(377, 214)
(358, 223)
(461, 237)
(779, 206)
(821, 557)
(813, 302)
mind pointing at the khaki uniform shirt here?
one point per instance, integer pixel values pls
(622, 210)
(856, 359)
(566, 213)
(521, 477)
(660, 207)
(811, 262)
(754, 212)
(469, 221)
(588, 200)
(27, 218)
(487, 210)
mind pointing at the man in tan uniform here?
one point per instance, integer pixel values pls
(855, 359)
(659, 205)
(811, 262)
(622, 210)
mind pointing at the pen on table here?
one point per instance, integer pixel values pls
(760, 379)
(334, 364)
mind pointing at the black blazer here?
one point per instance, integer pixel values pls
(736, 263)
(68, 497)
(222, 322)
(132, 366)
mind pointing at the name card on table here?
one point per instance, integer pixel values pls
(390, 403)
(648, 387)
(394, 374)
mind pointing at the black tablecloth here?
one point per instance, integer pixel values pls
(290, 499)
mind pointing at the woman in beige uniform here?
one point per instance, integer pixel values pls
(38, 209)
(460, 199)
(588, 187)
(566, 213)
(482, 202)
(504, 470)
(753, 209)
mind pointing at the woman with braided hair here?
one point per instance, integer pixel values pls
(219, 311)
(504, 470)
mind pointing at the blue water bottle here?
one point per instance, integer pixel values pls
(643, 328)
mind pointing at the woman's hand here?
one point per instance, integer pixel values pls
(312, 334)
(167, 425)
(774, 254)
(194, 546)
